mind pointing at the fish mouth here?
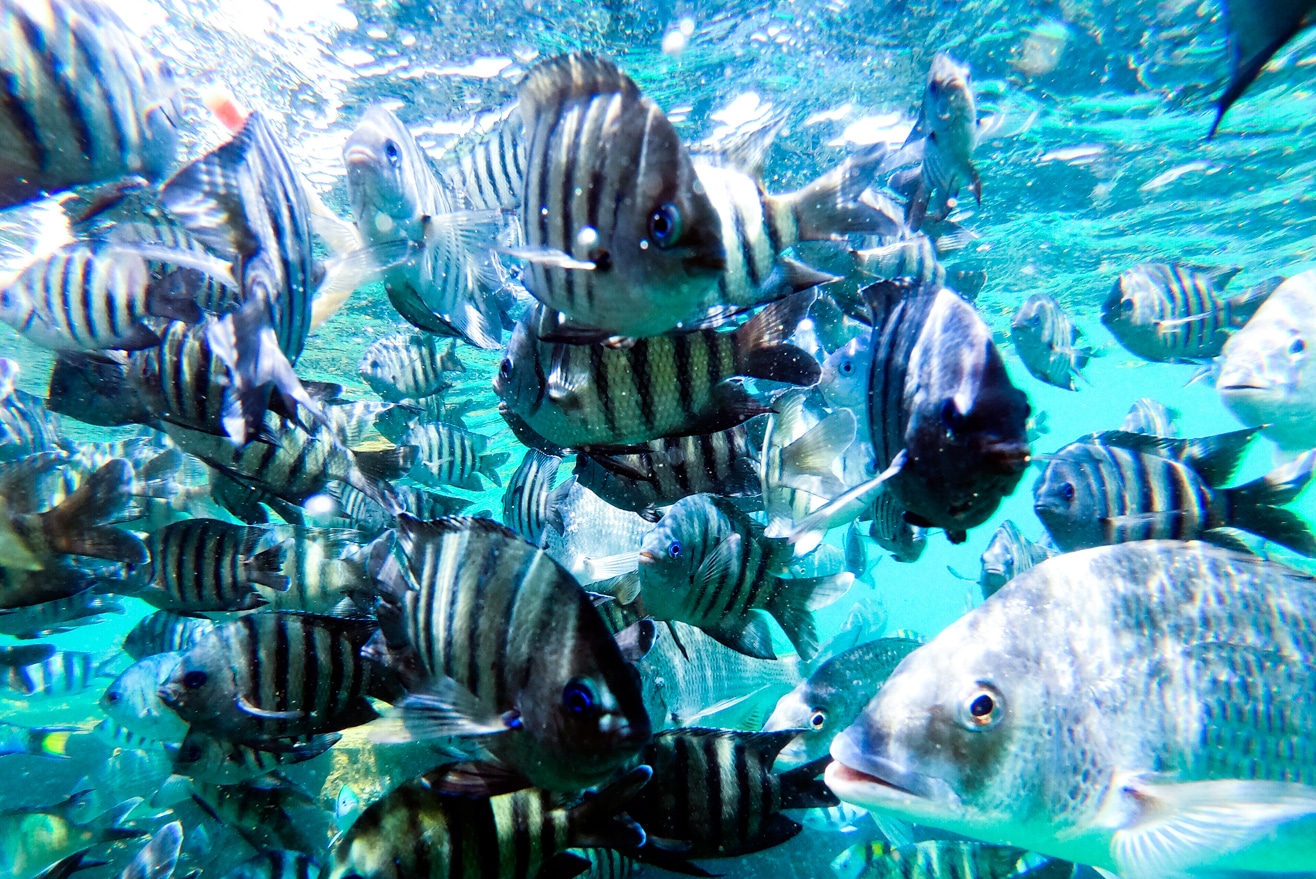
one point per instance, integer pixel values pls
(862, 778)
(358, 155)
(167, 696)
(1007, 456)
(647, 557)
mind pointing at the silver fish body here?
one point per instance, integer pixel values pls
(1009, 554)
(133, 700)
(407, 365)
(1047, 342)
(1152, 417)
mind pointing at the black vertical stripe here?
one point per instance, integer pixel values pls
(748, 792)
(681, 360)
(639, 363)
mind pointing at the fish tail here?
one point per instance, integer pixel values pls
(830, 206)
(596, 822)
(1256, 506)
(793, 602)
(386, 464)
(801, 788)
(49, 742)
(1245, 304)
(762, 350)
(75, 526)
(489, 464)
(966, 282)
(266, 567)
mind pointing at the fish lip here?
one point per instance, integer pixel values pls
(647, 557)
(357, 155)
(166, 695)
(1242, 386)
(851, 766)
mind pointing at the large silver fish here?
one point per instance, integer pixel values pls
(1146, 708)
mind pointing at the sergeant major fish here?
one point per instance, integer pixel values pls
(403, 366)
(1009, 554)
(531, 503)
(949, 127)
(447, 455)
(1151, 417)
(1047, 342)
(202, 565)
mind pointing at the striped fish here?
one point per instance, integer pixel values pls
(1151, 417)
(890, 531)
(605, 863)
(530, 503)
(323, 566)
(268, 813)
(84, 101)
(218, 761)
(121, 738)
(917, 257)
(617, 232)
(214, 291)
(200, 565)
(1116, 487)
(353, 422)
(276, 864)
(25, 425)
(159, 856)
(707, 564)
(370, 519)
(715, 791)
(67, 673)
(719, 463)
(418, 832)
(586, 395)
(1047, 342)
(1168, 312)
(92, 295)
(443, 285)
(933, 859)
(1008, 554)
(500, 641)
(403, 416)
(57, 616)
(276, 675)
(164, 632)
(408, 365)
(34, 741)
(490, 174)
(800, 449)
(948, 129)
(448, 455)
(133, 700)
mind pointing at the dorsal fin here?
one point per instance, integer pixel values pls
(576, 75)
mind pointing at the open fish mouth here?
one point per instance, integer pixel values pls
(358, 155)
(839, 773)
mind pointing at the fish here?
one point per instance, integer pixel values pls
(605, 863)
(31, 840)
(678, 385)
(398, 419)
(935, 857)
(268, 813)
(51, 741)
(1173, 313)
(1048, 342)
(949, 428)
(133, 700)
(60, 615)
(722, 463)
(207, 758)
(949, 128)
(164, 632)
(448, 455)
(495, 639)
(1266, 376)
(890, 531)
(65, 673)
(347, 807)
(61, 579)
(1115, 487)
(917, 257)
(843, 381)
(1256, 32)
(277, 675)
(521, 834)
(832, 697)
(202, 565)
(1009, 554)
(88, 102)
(408, 366)
(490, 174)
(26, 426)
(530, 502)
(797, 467)
(598, 541)
(158, 858)
(323, 567)
(843, 818)
(370, 519)
(1048, 716)
(636, 248)
(714, 793)
(442, 285)
(276, 864)
(1151, 417)
(707, 564)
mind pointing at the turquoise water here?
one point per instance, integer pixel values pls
(1096, 161)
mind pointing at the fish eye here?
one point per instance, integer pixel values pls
(983, 708)
(675, 549)
(577, 697)
(392, 153)
(1297, 346)
(818, 719)
(1067, 490)
(846, 367)
(505, 368)
(194, 680)
(112, 696)
(1126, 305)
(665, 225)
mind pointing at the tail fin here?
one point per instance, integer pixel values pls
(1255, 507)
(830, 207)
(391, 463)
(66, 867)
(793, 601)
(74, 527)
(489, 464)
(266, 567)
(95, 389)
(801, 788)
(598, 822)
(761, 348)
(1245, 304)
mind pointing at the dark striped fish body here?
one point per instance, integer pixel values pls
(1009, 554)
(419, 832)
(370, 519)
(1116, 487)
(67, 673)
(447, 455)
(246, 200)
(1047, 342)
(933, 859)
(212, 291)
(354, 422)
(707, 564)
(84, 100)
(90, 296)
(618, 234)
(202, 565)
(133, 700)
(217, 761)
(605, 863)
(914, 257)
(716, 791)
(403, 416)
(677, 385)
(890, 531)
(396, 197)
(25, 426)
(322, 566)
(276, 675)
(530, 503)
(276, 864)
(58, 615)
(1151, 417)
(1167, 312)
(497, 622)
(407, 365)
(490, 175)
(164, 632)
(267, 813)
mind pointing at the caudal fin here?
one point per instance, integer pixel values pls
(599, 820)
(489, 464)
(75, 527)
(793, 602)
(265, 568)
(830, 207)
(1256, 506)
(761, 348)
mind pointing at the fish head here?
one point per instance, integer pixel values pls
(948, 100)
(1064, 499)
(16, 305)
(998, 563)
(1028, 326)
(521, 381)
(1135, 302)
(806, 709)
(966, 440)
(383, 176)
(374, 370)
(671, 553)
(844, 378)
(201, 688)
